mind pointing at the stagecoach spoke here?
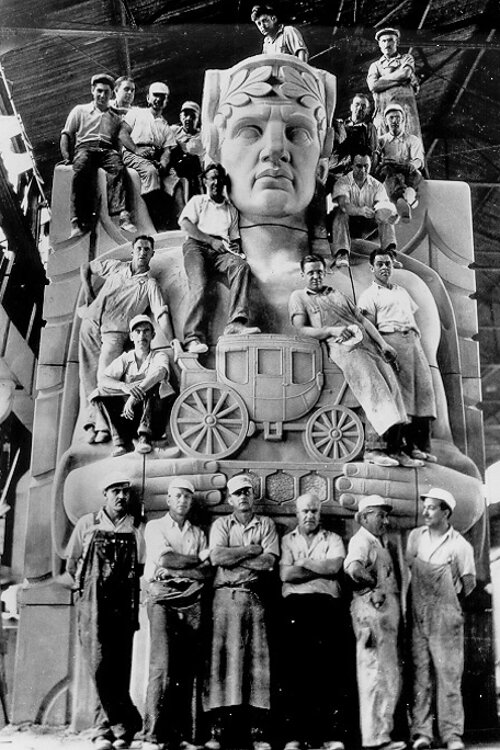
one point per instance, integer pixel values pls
(225, 431)
(220, 441)
(197, 441)
(220, 401)
(201, 406)
(227, 410)
(191, 431)
(210, 442)
(210, 400)
(340, 422)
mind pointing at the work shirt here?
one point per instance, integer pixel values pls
(402, 149)
(385, 65)
(327, 307)
(368, 194)
(123, 295)
(227, 531)
(287, 41)
(90, 522)
(450, 549)
(189, 142)
(126, 368)
(325, 545)
(87, 123)
(216, 219)
(392, 308)
(164, 535)
(366, 548)
(148, 129)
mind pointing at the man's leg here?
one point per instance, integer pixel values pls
(447, 650)
(197, 258)
(89, 350)
(111, 162)
(341, 237)
(422, 714)
(85, 166)
(387, 235)
(237, 272)
(150, 179)
(187, 659)
(161, 629)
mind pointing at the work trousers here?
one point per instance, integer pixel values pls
(397, 178)
(123, 430)
(145, 163)
(86, 162)
(344, 227)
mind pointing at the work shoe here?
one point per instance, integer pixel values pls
(407, 462)
(143, 445)
(455, 744)
(410, 197)
(146, 745)
(421, 743)
(233, 329)
(126, 223)
(119, 450)
(212, 744)
(404, 209)
(196, 346)
(261, 745)
(186, 745)
(333, 745)
(121, 744)
(102, 436)
(423, 456)
(293, 745)
(341, 259)
(379, 458)
(76, 229)
(90, 434)
(102, 743)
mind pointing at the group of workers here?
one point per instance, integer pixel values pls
(225, 647)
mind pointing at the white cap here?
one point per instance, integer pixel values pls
(192, 106)
(238, 482)
(436, 493)
(114, 478)
(140, 319)
(373, 501)
(159, 88)
(394, 107)
(181, 484)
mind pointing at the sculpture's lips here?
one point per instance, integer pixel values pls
(277, 174)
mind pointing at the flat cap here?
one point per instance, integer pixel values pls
(394, 107)
(140, 319)
(102, 78)
(181, 483)
(114, 478)
(159, 88)
(388, 30)
(436, 493)
(192, 106)
(373, 501)
(238, 482)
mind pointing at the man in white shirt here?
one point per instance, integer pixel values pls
(443, 573)
(124, 95)
(314, 614)
(363, 205)
(131, 388)
(210, 222)
(176, 573)
(285, 40)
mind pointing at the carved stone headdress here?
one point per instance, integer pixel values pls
(275, 79)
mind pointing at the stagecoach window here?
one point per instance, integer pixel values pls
(303, 370)
(236, 365)
(269, 362)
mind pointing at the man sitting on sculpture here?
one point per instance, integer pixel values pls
(131, 388)
(152, 141)
(124, 95)
(210, 222)
(278, 38)
(355, 135)
(363, 205)
(128, 290)
(400, 159)
(357, 348)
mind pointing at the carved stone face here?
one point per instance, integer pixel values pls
(271, 153)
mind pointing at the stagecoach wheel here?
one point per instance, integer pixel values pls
(209, 420)
(334, 433)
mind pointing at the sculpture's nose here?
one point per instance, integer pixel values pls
(275, 147)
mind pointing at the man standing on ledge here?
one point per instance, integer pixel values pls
(210, 222)
(278, 38)
(105, 555)
(375, 611)
(443, 573)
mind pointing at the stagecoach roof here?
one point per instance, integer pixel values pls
(49, 49)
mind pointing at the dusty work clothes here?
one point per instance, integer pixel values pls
(376, 630)
(369, 194)
(437, 630)
(287, 41)
(403, 94)
(240, 664)
(371, 380)
(107, 579)
(397, 153)
(175, 619)
(152, 135)
(104, 328)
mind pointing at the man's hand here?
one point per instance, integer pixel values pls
(344, 335)
(389, 353)
(255, 549)
(366, 212)
(217, 245)
(88, 295)
(135, 390)
(128, 409)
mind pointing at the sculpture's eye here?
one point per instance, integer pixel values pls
(248, 132)
(298, 135)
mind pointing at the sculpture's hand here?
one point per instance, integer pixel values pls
(403, 488)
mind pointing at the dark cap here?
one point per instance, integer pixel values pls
(102, 78)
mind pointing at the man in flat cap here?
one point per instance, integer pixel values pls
(244, 548)
(400, 160)
(187, 156)
(443, 573)
(375, 611)
(314, 616)
(392, 79)
(105, 555)
(278, 38)
(91, 138)
(152, 141)
(130, 389)
(176, 571)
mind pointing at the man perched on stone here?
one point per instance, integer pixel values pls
(152, 141)
(124, 95)
(392, 79)
(278, 38)
(91, 138)
(443, 573)
(105, 556)
(358, 135)
(131, 388)
(187, 156)
(176, 572)
(128, 290)
(210, 222)
(392, 311)
(363, 205)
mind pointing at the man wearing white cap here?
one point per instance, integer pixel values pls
(154, 140)
(401, 157)
(105, 555)
(188, 154)
(130, 388)
(176, 572)
(375, 611)
(392, 79)
(244, 547)
(443, 573)
(363, 205)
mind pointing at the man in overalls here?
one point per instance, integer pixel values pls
(443, 573)
(105, 556)
(375, 611)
